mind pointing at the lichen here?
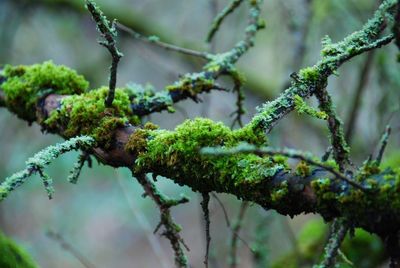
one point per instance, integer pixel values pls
(26, 85)
(86, 114)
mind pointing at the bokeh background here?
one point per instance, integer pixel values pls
(104, 216)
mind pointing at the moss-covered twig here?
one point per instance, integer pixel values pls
(39, 161)
(383, 143)
(190, 85)
(337, 235)
(307, 157)
(172, 229)
(339, 145)
(109, 33)
(76, 171)
(221, 16)
(333, 56)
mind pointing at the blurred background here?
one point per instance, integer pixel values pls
(104, 216)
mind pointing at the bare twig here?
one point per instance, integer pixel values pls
(383, 143)
(155, 40)
(206, 211)
(172, 230)
(221, 16)
(70, 248)
(233, 260)
(107, 30)
(355, 105)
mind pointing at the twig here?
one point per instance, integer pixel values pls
(355, 105)
(236, 230)
(206, 212)
(307, 157)
(221, 16)
(155, 41)
(338, 233)
(107, 30)
(334, 55)
(172, 230)
(70, 248)
(39, 161)
(339, 145)
(76, 171)
(383, 143)
(228, 223)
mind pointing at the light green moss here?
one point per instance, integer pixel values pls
(176, 154)
(86, 114)
(303, 108)
(26, 85)
(310, 74)
(13, 256)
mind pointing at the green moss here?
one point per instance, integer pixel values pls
(278, 195)
(26, 85)
(13, 256)
(176, 154)
(310, 74)
(302, 108)
(86, 114)
(303, 169)
(192, 84)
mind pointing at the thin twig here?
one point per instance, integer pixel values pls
(307, 157)
(233, 260)
(338, 233)
(172, 230)
(383, 143)
(228, 223)
(206, 212)
(221, 16)
(355, 105)
(70, 248)
(155, 41)
(107, 30)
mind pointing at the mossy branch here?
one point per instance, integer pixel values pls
(109, 33)
(39, 161)
(265, 180)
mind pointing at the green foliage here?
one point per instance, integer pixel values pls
(363, 250)
(13, 256)
(26, 85)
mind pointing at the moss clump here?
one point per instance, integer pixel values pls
(86, 114)
(176, 154)
(310, 74)
(138, 140)
(26, 85)
(192, 84)
(303, 169)
(12, 256)
(302, 108)
(281, 193)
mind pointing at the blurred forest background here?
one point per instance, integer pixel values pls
(104, 215)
